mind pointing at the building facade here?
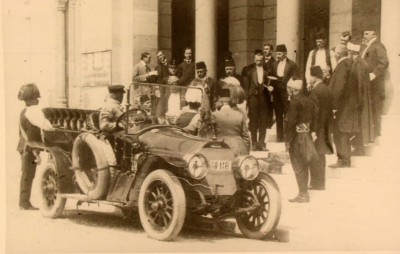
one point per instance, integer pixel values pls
(74, 48)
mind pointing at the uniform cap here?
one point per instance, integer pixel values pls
(116, 89)
(28, 92)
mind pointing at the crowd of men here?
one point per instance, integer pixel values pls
(344, 86)
(341, 95)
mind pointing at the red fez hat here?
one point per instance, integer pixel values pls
(201, 65)
(281, 48)
(229, 63)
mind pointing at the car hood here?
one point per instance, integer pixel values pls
(173, 142)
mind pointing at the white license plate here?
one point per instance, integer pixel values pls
(220, 165)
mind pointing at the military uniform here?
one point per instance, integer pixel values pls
(109, 115)
(297, 134)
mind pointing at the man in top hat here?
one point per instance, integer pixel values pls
(345, 37)
(112, 109)
(374, 53)
(258, 102)
(298, 139)
(31, 122)
(207, 83)
(322, 56)
(359, 75)
(344, 95)
(283, 70)
(186, 71)
(320, 127)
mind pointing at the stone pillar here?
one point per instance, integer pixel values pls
(340, 19)
(390, 37)
(287, 26)
(206, 34)
(122, 41)
(165, 27)
(60, 86)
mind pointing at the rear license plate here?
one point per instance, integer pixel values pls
(220, 165)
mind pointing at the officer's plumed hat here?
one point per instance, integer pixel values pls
(116, 89)
(281, 48)
(316, 71)
(295, 84)
(229, 63)
(28, 92)
(201, 65)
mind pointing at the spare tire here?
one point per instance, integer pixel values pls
(90, 164)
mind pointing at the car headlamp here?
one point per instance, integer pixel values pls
(197, 166)
(248, 167)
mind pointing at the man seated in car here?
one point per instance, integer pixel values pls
(112, 109)
(145, 106)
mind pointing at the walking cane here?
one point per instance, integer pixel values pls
(269, 87)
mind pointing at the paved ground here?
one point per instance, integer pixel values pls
(358, 211)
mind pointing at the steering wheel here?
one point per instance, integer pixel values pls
(131, 119)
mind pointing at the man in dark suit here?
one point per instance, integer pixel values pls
(283, 69)
(186, 72)
(162, 66)
(268, 58)
(298, 140)
(345, 110)
(320, 127)
(374, 53)
(258, 101)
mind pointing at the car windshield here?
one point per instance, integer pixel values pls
(158, 104)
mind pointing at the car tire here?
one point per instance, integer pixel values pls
(162, 205)
(92, 184)
(261, 222)
(51, 203)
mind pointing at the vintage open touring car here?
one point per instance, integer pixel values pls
(164, 173)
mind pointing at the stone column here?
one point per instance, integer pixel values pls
(60, 86)
(340, 19)
(287, 26)
(206, 34)
(390, 37)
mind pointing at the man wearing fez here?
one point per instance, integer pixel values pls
(258, 102)
(374, 53)
(298, 138)
(31, 124)
(112, 109)
(186, 68)
(320, 127)
(345, 113)
(207, 83)
(283, 69)
(359, 75)
(321, 56)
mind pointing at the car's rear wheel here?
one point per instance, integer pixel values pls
(51, 203)
(263, 193)
(162, 205)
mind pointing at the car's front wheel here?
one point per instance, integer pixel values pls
(51, 203)
(263, 194)
(162, 205)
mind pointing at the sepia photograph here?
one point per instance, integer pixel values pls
(200, 126)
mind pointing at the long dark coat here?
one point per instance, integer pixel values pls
(344, 95)
(322, 121)
(359, 75)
